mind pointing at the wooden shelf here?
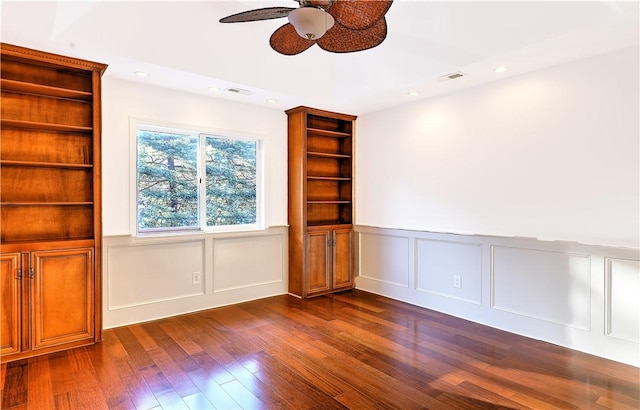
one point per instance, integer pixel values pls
(31, 88)
(28, 245)
(46, 203)
(328, 224)
(328, 133)
(319, 178)
(328, 202)
(37, 164)
(44, 126)
(327, 155)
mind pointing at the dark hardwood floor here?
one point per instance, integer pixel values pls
(353, 350)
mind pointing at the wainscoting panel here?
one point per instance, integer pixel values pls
(623, 299)
(139, 275)
(244, 262)
(438, 262)
(551, 286)
(148, 278)
(584, 297)
(384, 258)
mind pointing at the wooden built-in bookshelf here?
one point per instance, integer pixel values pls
(320, 201)
(50, 202)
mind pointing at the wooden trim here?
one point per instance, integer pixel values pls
(322, 113)
(97, 200)
(50, 58)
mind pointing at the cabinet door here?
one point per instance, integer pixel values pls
(342, 259)
(10, 303)
(318, 263)
(62, 296)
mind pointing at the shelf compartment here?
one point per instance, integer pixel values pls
(328, 145)
(327, 133)
(329, 167)
(46, 222)
(328, 190)
(328, 213)
(46, 110)
(34, 184)
(331, 127)
(62, 78)
(46, 146)
(39, 89)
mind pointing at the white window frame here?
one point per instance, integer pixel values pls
(201, 133)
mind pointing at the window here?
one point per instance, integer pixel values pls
(195, 181)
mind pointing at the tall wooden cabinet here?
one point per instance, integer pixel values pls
(320, 201)
(50, 202)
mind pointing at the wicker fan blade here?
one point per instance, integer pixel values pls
(359, 14)
(340, 39)
(320, 3)
(286, 41)
(258, 14)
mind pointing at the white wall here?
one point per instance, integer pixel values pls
(148, 278)
(553, 154)
(122, 100)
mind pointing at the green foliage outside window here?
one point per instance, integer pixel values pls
(168, 182)
(231, 181)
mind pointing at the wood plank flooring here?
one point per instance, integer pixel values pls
(353, 350)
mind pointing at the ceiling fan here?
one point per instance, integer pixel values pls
(338, 26)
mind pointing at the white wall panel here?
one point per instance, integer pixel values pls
(241, 262)
(551, 286)
(150, 278)
(580, 296)
(139, 275)
(384, 258)
(623, 299)
(437, 262)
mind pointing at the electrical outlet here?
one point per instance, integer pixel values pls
(457, 281)
(195, 278)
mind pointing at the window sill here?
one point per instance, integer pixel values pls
(182, 236)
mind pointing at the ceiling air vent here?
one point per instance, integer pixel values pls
(239, 91)
(451, 76)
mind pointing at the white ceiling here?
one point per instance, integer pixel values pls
(182, 45)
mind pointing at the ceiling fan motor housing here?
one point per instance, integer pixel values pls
(311, 22)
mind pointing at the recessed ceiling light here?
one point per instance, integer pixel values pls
(272, 101)
(413, 93)
(141, 74)
(500, 69)
(214, 89)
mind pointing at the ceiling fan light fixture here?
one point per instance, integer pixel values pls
(311, 22)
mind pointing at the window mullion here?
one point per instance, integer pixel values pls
(202, 178)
